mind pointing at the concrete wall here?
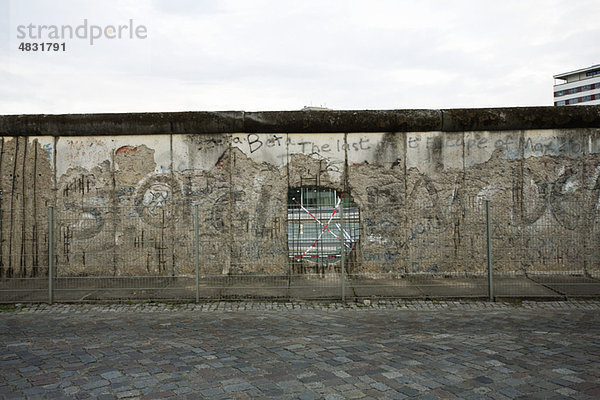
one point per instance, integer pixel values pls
(419, 177)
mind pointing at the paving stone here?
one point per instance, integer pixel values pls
(510, 392)
(182, 390)
(211, 391)
(95, 384)
(380, 386)
(111, 375)
(353, 394)
(145, 382)
(341, 374)
(427, 396)
(408, 391)
(238, 387)
(392, 349)
(484, 379)
(128, 394)
(308, 395)
(33, 391)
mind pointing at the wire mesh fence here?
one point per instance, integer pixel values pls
(328, 248)
(546, 248)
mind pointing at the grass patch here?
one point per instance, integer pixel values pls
(10, 307)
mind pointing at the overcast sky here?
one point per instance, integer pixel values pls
(284, 55)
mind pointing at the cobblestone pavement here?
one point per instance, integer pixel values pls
(396, 350)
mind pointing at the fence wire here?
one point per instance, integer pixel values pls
(546, 249)
(401, 250)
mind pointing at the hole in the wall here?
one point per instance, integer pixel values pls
(315, 226)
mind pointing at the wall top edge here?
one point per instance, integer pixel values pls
(319, 121)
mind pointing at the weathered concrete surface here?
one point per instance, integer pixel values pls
(302, 121)
(516, 118)
(26, 191)
(343, 121)
(125, 187)
(121, 124)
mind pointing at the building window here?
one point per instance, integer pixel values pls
(314, 226)
(583, 88)
(593, 73)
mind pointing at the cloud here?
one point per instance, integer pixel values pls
(267, 54)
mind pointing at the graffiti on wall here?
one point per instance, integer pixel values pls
(406, 209)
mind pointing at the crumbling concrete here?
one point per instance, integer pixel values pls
(125, 187)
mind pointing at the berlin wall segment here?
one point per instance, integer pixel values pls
(124, 199)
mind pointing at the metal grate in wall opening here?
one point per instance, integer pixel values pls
(315, 227)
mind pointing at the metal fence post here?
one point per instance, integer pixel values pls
(50, 254)
(342, 252)
(197, 251)
(489, 250)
